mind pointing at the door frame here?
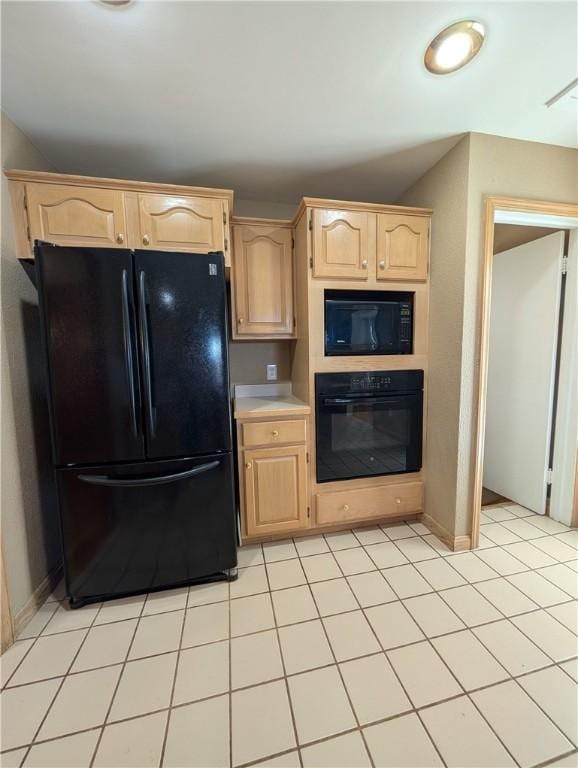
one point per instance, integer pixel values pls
(536, 213)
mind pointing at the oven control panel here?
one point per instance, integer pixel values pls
(361, 382)
(369, 382)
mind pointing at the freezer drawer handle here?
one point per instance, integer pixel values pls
(128, 352)
(146, 352)
(132, 482)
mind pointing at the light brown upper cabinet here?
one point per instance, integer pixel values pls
(343, 243)
(262, 281)
(81, 216)
(170, 223)
(275, 482)
(402, 247)
(114, 213)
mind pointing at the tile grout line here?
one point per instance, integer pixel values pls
(284, 668)
(59, 689)
(448, 668)
(230, 692)
(174, 683)
(34, 641)
(395, 672)
(382, 572)
(410, 710)
(467, 693)
(498, 575)
(338, 668)
(116, 687)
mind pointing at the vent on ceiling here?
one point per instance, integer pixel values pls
(567, 99)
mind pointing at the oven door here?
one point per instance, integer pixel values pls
(365, 436)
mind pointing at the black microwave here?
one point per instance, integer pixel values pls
(368, 323)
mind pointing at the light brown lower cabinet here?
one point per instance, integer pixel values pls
(275, 483)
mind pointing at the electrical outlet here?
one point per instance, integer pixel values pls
(271, 373)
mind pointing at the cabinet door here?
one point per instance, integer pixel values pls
(262, 281)
(402, 247)
(170, 223)
(343, 243)
(275, 490)
(76, 216)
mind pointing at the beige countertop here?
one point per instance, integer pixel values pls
(275, 405)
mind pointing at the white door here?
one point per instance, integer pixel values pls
(566, 429)
(524, 310)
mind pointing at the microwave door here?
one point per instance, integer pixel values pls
(364, 336)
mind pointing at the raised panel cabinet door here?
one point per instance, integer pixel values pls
(262, 281)
(69, 215)
(275, 490)
(173, 223)
(402, 247)
(343, 243)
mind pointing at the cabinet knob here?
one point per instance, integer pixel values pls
(345, 507)
(398, 501)
(364, 263)
(120, 238)
(382, 264)
(241, 320)
(248, 465)
(275, 433)
(146, 240)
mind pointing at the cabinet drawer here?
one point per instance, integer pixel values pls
(366, 503)
(274, 432)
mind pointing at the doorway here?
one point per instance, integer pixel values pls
(527, 419)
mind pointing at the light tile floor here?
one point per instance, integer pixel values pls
(376, 647)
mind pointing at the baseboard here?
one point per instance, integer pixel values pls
(455, 543)
(36, 599)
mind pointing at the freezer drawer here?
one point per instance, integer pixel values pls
(138, 527)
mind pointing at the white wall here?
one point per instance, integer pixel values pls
(30, 539)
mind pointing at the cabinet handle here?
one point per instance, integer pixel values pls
(275, 433)
(248, 465)
(146, 240)
(241, 320)
(120, 238)
(364, 263)
(345, 507)
(382, 264)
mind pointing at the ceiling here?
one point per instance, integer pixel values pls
(277, 100)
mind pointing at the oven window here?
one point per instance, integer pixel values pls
(372, 438)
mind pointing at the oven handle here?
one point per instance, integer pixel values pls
(365, 400)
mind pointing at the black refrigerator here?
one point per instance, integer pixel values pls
(137, 356)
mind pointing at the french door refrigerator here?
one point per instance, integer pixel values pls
(137, 356)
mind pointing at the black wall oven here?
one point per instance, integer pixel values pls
(368, 323)
(368, 424)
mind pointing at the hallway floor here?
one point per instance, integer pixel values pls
(376, 647)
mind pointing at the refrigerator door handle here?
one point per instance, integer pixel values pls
(128, 354)
(146, 352)
(135, 482)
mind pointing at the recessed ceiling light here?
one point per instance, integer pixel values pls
(116, 3)
(454, 47)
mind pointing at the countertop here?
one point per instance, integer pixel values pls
(275, 405)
